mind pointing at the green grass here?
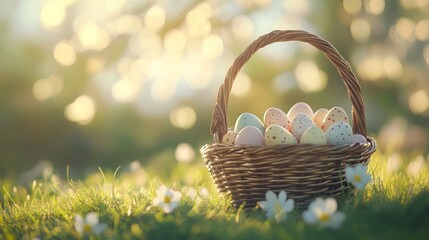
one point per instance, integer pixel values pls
(394, 206)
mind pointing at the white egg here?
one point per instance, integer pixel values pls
(300, 123)
(275, 116)
(313, 135)
(339, 133)
(251, 136)
(358, 138)
(229, 138)
(276, 134)
(300, 107)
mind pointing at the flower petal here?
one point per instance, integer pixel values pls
(318, 203)
(337, 220)
(99, 228)
(158, 201)
(310, 217)
(281, 216)
(271, 197)
(263, 204)
(91, 219)
(78, 224)
(282, 196)
(161, 190)
(289, 205)
(330, 205)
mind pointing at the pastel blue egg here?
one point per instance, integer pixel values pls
(246, 120)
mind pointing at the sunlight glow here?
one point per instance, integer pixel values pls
(371, 68)
(184, 153)
(81, 110)
(405, 29)
(46, 88)
(352, 6)
(123, 91)
(392, 67)
(198, 20)
(155, 18)
(52, 15)
(422, 30)
(242, 27)
(90, 35)
(309, 77)
(183, 117)
(419, 101)
(64, 53)
(360, 30)
(241, 86)
(175, 41)
(375, 7)
(212, 46)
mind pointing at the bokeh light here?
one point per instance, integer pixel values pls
(309, 77)
(184, 153)
(48, 87)
(64, 53)
(183, 117)
(155, 18)
(352, 6)
(52, 15)
(242, 85)
(81, 110)
(360, 30)
(419, 101)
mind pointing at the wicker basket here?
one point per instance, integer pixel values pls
(304, 171)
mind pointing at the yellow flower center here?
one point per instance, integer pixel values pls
(278, 208)
(357, 178)
(167, 199)
(87, 228)
(324, 217)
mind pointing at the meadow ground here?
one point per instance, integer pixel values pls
(395, 205)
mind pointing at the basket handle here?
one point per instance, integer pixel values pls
(219, 120)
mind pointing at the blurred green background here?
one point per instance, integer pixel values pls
(108, 82)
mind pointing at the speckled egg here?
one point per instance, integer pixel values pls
(276, 134)
(275, 116)
(248, 119)
(229, 138)
(335, 114)
(318, 117)
(358, 138)
(251, 136)
(300, 123)
(339, 133)
(313, 135)
(300, 107)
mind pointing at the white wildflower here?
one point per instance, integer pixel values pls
(358, 176)
(324, 213)
(89, 225)
(167, 199)
(277, 208)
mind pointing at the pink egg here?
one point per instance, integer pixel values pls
(300, 123)
(300, 107)
(334, 115)
(318, 117)
(275, 116)
(250, 136)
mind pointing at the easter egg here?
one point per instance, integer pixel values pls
(313, 135)
(318, 117)
(275, 116)
(300, 123)
(229, 138)
(358, 138)
(251, 136)
(334, 115)
(276, 134)
(248, 119)
(339, 133)
(300, 107)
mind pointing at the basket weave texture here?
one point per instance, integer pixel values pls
(304, 171)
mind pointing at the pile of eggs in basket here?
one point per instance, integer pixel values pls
(299, 126)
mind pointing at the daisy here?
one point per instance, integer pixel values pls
(89, 225)
(277, 208)
(167, 199)
(324, 213)
(358, 176)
